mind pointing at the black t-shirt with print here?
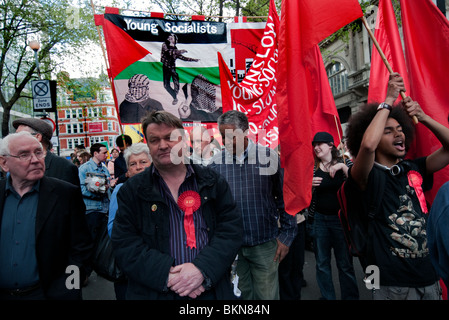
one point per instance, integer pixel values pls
(398, 244)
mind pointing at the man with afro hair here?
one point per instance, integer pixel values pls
(378, 136)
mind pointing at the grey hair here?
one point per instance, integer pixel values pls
(136, 148)
(5, 142)
(234, 117)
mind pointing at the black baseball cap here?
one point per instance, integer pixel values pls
(323, 137)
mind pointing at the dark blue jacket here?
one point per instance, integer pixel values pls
(141, 234)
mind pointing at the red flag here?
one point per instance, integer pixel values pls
(112, 10)
(255, 94)
(426, 42)
(304, 24)
(387, 35)
(325, 116)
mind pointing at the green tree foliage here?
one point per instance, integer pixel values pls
(218, 8)
(61, 29)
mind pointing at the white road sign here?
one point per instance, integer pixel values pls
(41, 94)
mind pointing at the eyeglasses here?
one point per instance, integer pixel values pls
(26, 156)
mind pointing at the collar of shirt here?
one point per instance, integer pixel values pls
(93, 164)
(10, 189)
(189, 172)
(241, 159)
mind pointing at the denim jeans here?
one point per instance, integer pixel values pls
(328, 235)
(258, 272)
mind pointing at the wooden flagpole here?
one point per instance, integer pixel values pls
(382, 55)
(338, 129)
(107, 67)
(99, 38)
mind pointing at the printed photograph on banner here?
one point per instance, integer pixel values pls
(244, 39)
(255, 93)
(171, 65)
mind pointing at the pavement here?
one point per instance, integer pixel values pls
(99, 288)
(312, 291)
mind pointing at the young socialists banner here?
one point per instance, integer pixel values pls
(159, 64)
(255, 95)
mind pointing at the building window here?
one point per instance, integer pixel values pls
(72, 142)
(95, 140)
(338, 78)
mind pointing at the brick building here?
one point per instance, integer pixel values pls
(86, 121)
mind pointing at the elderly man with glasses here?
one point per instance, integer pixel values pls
(55, 166)
(44, 241)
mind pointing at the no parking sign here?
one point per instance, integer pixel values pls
(44, 95)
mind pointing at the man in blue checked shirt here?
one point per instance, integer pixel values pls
(255, 177)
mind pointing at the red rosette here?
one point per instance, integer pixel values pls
(415, 180)
(189, 201)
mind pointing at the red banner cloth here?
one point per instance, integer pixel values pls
(112, 10)
(98, 18)
(304, 24)
(387, 35)
(255, 94)
(426, 43)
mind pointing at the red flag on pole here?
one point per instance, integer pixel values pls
(426, 43)
(303, 25)
(255, 95)
(387, 35)
(325, 116)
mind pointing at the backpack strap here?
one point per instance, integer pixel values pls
(377, 190)
(356, 214)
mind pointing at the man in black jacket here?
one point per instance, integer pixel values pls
(177, 229)
(45, 245)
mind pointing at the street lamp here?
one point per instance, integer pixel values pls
(86, 139)
(35, 45)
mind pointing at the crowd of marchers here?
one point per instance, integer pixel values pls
(190, 219)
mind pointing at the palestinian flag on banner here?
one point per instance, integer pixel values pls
(160, 64)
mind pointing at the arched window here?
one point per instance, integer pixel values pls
(338, 78)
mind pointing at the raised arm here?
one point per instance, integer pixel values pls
(365, 158)
(439, 158)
